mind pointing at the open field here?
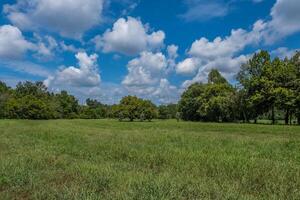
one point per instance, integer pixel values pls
(107, 159)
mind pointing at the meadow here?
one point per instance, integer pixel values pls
(107, 159)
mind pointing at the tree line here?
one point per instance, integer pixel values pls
(33, 101)
(265, 89)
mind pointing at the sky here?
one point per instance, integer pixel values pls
(154, 49)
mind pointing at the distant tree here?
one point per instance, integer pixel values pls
(132, 107)
(255, 80)
(208, 102)
(167, 111)
(163, 112)
(68, 107)
(148, 109)
(30, 101)
(5, 92)
(28, 107)
(189, 104)
(295, 63)
(129, 107)
(93, 110)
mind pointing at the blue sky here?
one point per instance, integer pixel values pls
(106, 49)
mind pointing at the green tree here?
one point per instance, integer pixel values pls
(256, 80)
(208, 102)
(30, 101)
(189, 104)
(67, 105)
(214, 77)
(295, 63)
(4, 97)
(132, 107)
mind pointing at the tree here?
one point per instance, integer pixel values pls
(148, 109)
(208, 102)
(132, 107)
(214, 77)
(295, 63)
(30, 101)
(167, 111)
(28, 107)
(163, 112)
(93, 110)
(257, 83)
(4, 96)
(67, 105)
(189, 104)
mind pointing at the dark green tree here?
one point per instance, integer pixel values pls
(4, 96)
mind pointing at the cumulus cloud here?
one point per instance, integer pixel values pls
(12, 43)
(284, 21)
(166, 93)
(187, 66)
(228, 67)
(67, 17)
(86, 75)
(285, 17)
(145, 70)
(147, 77)
(224, 54)
(220, 53)
(130, 37)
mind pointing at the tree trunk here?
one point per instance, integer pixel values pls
(273, 115)
(298, 119)
(286, 118)
(255, 121)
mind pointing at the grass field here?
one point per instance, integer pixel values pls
(107, 159)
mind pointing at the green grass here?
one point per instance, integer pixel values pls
(107, 159)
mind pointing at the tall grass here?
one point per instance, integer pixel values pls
(107, 159)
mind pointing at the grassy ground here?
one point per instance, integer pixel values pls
(106, 159)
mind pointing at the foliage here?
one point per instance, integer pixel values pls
(167, 111)
(208, 102)
(132, 107)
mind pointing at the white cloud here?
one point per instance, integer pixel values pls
(145, 70)
(70, 18)
(69, 47)
(221, 53)
(45, 46)
(285, 17)
(172, 51)
(146, 77)
(229, 46)
(130, 37)
(12, 43)
(187, 66)
(166, 93)
(26, 67)
(86, 75)
(228, 67)
(201, 10)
